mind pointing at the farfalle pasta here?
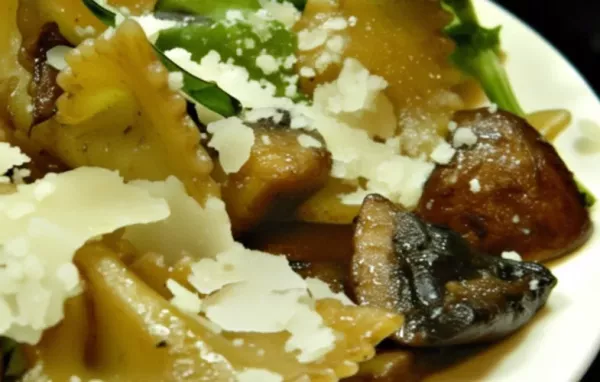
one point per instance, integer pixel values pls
(257, 190)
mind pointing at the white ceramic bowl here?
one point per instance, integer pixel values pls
(562, 341)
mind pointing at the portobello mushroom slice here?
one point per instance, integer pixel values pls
(280, 174)
(509, 191)
(448, 292)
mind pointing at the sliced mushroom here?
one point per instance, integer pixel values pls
(44, 89)
(280, 174)
(448, 292)
(509, 191)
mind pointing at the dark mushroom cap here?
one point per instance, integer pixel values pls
(449, 293)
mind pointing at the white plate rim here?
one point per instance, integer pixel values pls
(561, 344)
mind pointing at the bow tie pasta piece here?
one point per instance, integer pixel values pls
(152, 340)
(118, 112)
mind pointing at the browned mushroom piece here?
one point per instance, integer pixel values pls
(510, 191)
(448, 293)
(280, 174)
(44, 89)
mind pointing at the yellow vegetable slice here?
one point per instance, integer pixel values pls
(118, 112)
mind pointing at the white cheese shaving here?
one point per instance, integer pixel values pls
(474, 185)
(258, 375)
(307, 72)
(284, 12)
(153, 26)
(443, 153)
(335, 23)
(355, 89)
(175, 81)
(233, 140)
(452, 126)
(183, 299)
(310, 39)
(11, 156)
(308, 142)
(267, 63)
(534, 285)
(320, 290)
(55, 57)
(176, 236)
(234, 80)
(43, 225)
(85, 32)
(464, 136)
(511, 255)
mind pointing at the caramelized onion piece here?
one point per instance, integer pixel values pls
(524, 199)
(449, 293)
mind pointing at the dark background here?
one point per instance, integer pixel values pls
(572, 26)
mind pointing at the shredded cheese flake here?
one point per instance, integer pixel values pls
(233, 140)
(43, 225)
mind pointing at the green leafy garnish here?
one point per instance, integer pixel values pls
(195, 89)
(212, 8)
(478, 54)
(243, 45)
(216, 8)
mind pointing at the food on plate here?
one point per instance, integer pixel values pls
(502, 186)
(448, 293)
(268, 190)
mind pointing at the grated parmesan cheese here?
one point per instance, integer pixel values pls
(267, 63)
(175, 81)
(308, 142)
(307, 72)
(55, 57)
(511, 255)
(474, 186)
(310, 39)
(233, 140)
(284, 12)
(43, 225)
(335, 24)
(11, 156)
(320, 290)
(443, 153)
(175, 236)
(183, 299)
(464, 136)
(258, 375)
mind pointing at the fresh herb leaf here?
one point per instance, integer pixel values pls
(241, 43)
(103, 12)
(194, 89)
(478, 54)
(212, 8)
